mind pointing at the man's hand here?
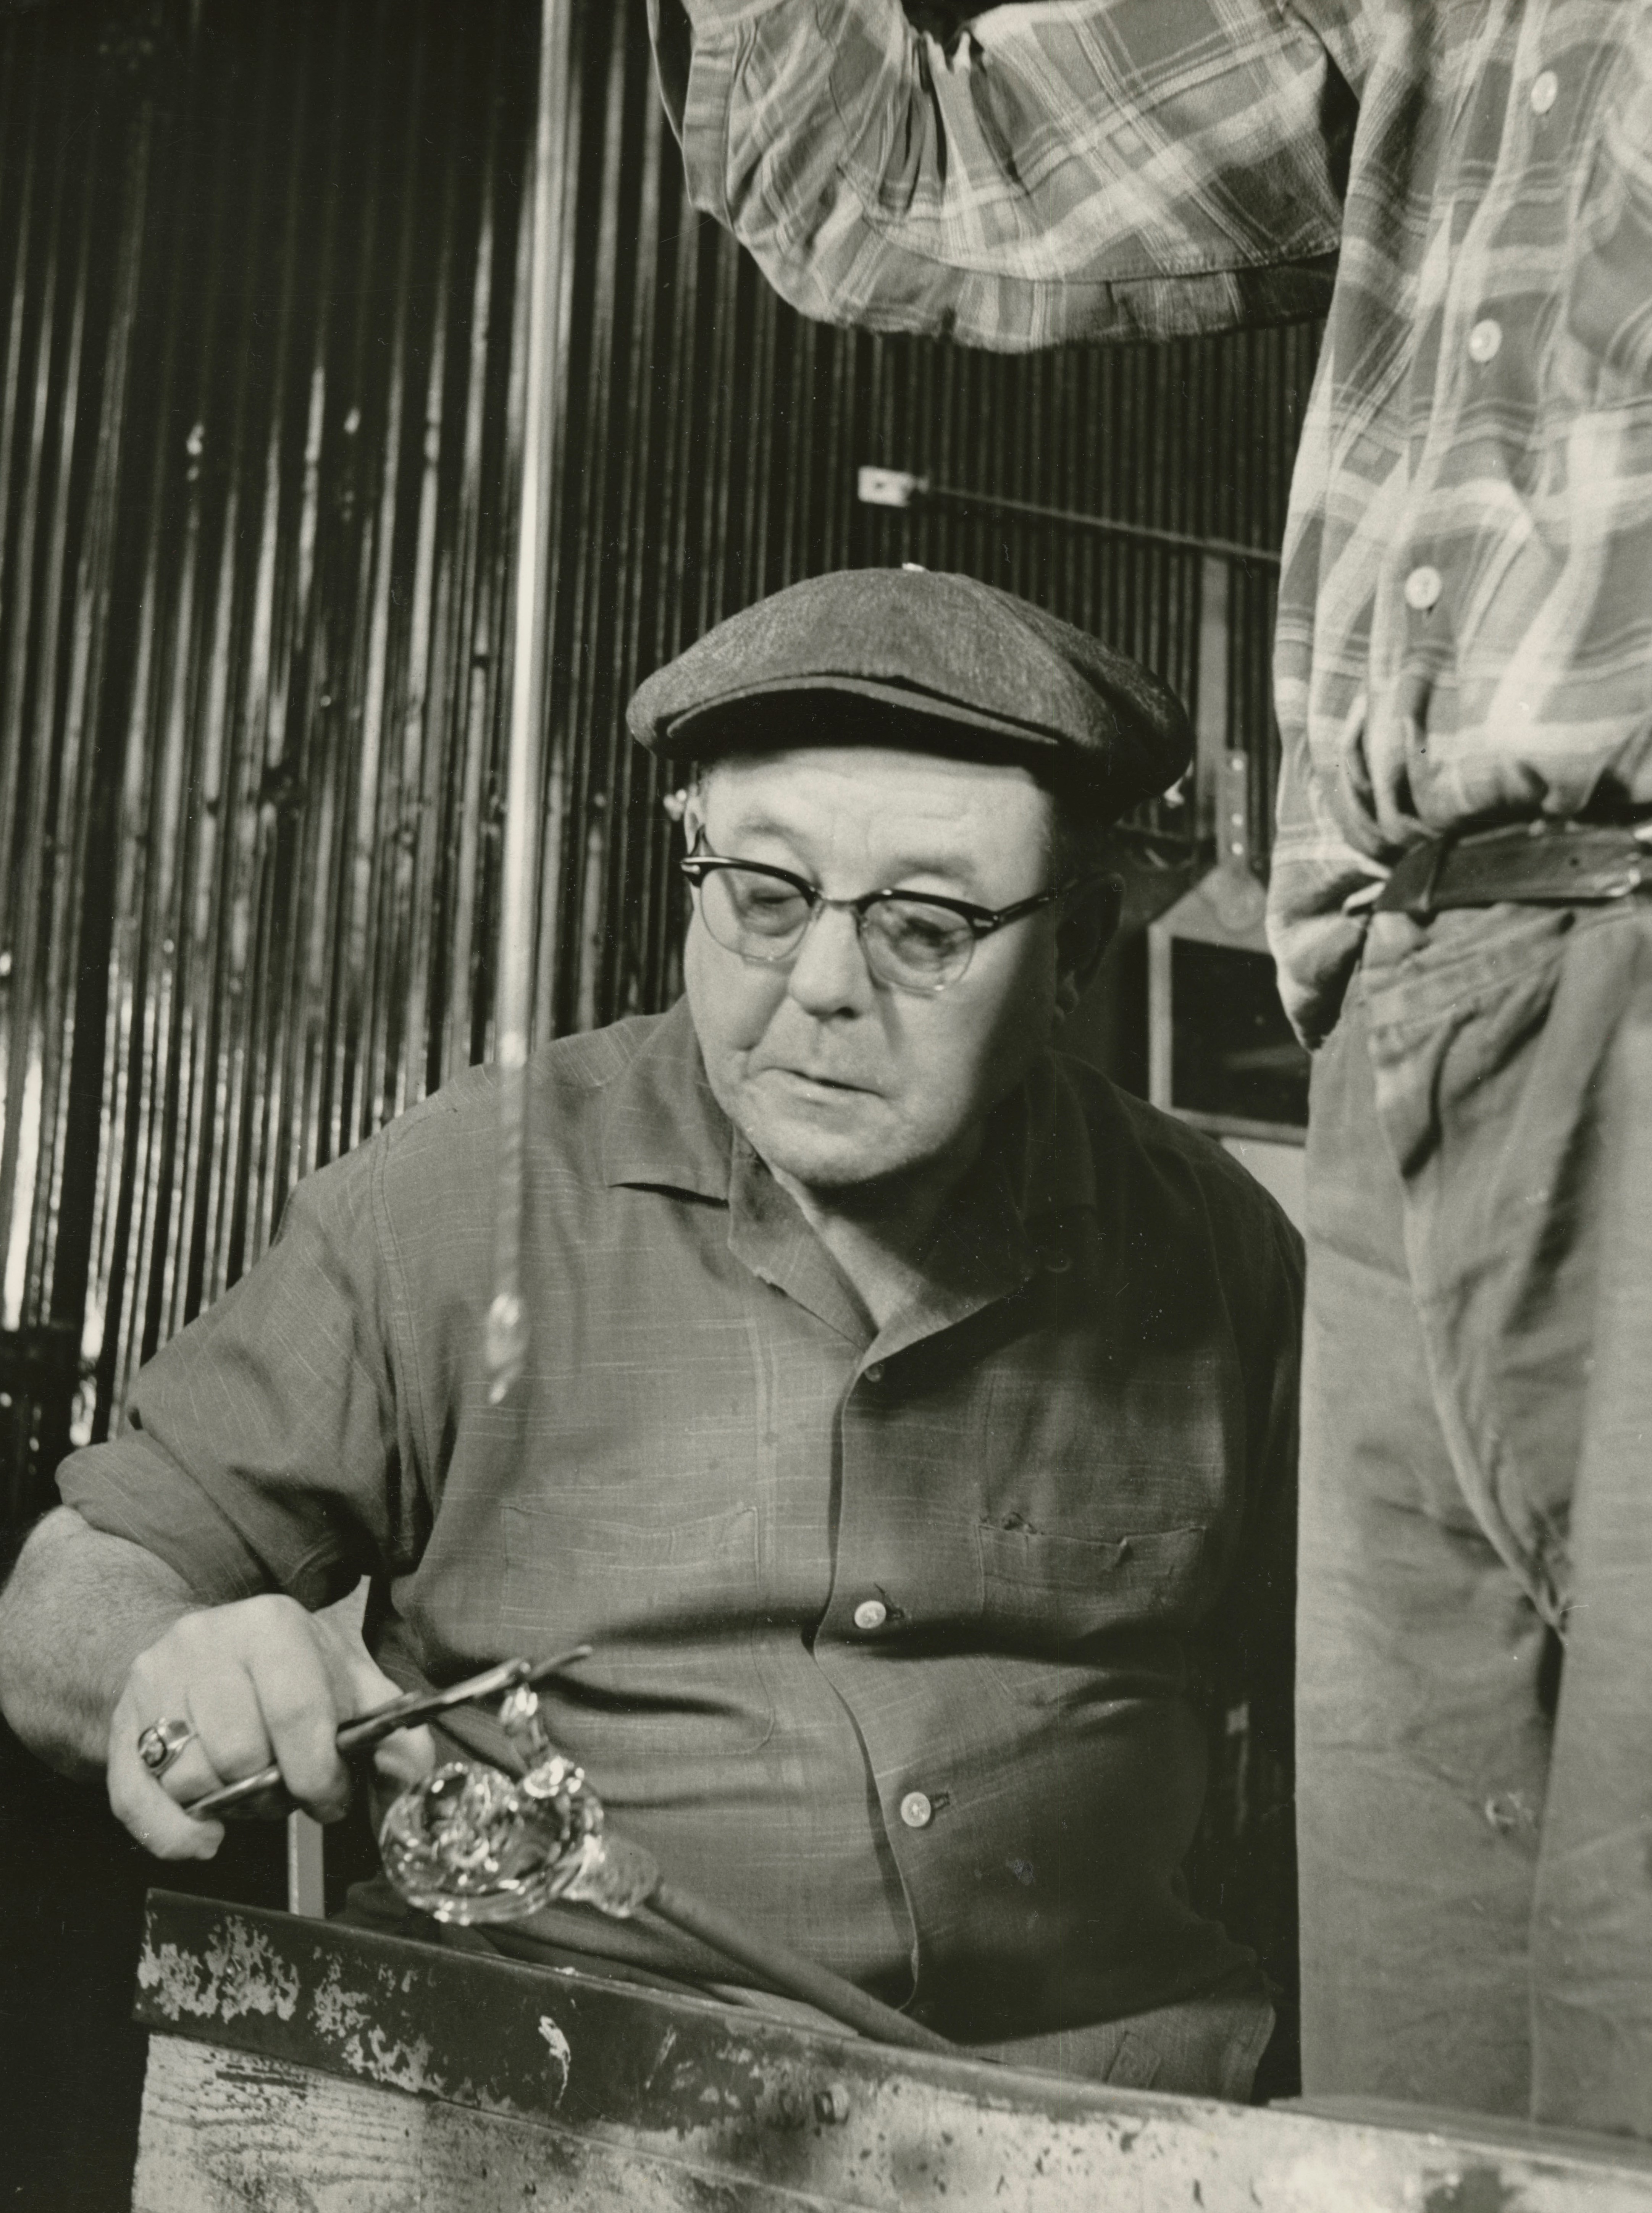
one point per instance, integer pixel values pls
(258, 1682)
(944, 19)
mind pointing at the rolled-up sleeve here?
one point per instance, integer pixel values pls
(267, 1445)
(1124, 168)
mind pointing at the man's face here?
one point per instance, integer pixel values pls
(837, 1080)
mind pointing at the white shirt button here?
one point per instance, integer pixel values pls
(1423, 588)
(874, 1373)
(871, 1613)
(916, 1810)
(1546, 90)
(1483, 341)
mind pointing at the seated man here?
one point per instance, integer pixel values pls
(909, 1423)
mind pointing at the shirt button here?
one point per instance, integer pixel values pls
(874, 1373)
(1546, 90)
(1422, 588)
(871, 1613)
(916, 1810)
(1483, 340)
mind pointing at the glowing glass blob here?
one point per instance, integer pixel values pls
(471, 1843)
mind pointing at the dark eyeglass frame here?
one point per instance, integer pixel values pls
(981, 921)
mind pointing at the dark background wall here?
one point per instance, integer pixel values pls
(261, 352)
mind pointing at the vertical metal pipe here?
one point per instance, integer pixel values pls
(795, 495)
(639, 845)
(370, 953)
(418, 835)
(141, 967)
(318, 738)
(87, 838)
(19, 1137)
(506, 1340)
(251, 1074)
(12, 615)
(57, 750)
(584, 735)
(467, 660)
(472, 656)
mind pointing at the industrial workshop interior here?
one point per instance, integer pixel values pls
(378, 413)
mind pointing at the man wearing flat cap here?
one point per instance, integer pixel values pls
(909, 1427)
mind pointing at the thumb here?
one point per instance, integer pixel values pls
(360, 1685)
(407, 1757)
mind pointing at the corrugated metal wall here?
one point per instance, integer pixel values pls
(260, 362)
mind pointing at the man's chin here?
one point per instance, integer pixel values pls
(823, 1159)
(829, 1170)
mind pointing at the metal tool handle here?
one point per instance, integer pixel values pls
(408, 1711)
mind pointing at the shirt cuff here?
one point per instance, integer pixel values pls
(128, 1489)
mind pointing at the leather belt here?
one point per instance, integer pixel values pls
(1542, 863)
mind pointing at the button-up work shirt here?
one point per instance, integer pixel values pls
(899, 1633)
(1464, 626)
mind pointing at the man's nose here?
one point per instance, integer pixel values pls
(829, 975)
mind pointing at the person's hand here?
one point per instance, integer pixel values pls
(944, 19)
(256, 1682)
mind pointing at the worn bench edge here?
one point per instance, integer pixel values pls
(496, 2035)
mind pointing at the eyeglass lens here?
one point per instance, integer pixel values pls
(906, 942)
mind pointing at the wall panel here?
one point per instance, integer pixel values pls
(261, 368)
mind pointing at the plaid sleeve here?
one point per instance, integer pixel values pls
(1072, 169)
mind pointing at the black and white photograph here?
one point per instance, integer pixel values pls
(825, 1107)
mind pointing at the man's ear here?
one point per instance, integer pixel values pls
(687, 806)
(1087, 927)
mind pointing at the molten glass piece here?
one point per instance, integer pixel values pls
(470, 1843)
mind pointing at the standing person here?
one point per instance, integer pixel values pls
(1463, 682)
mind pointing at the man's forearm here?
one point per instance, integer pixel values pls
(79, 1608)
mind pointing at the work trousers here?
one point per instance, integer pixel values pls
(1474, 1781)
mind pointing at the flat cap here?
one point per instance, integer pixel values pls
(948, 661)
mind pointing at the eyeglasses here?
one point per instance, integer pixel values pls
(913, 941)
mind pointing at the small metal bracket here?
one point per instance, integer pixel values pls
(875, 487)
(1233, 814)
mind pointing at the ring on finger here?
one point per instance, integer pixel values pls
(162, 1743)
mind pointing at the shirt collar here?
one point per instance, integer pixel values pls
(1014, 1215)
(661, 1125)
(663, 1129)
(1049, 1157)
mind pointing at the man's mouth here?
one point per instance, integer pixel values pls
(818, 1080)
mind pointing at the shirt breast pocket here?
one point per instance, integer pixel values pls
(670, 1612)
(1094, 1615)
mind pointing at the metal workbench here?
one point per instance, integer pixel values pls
(299, 2064)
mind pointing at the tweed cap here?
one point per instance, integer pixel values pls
(914, 655)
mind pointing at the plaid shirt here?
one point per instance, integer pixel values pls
(1466, 610)
(898, 1633)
